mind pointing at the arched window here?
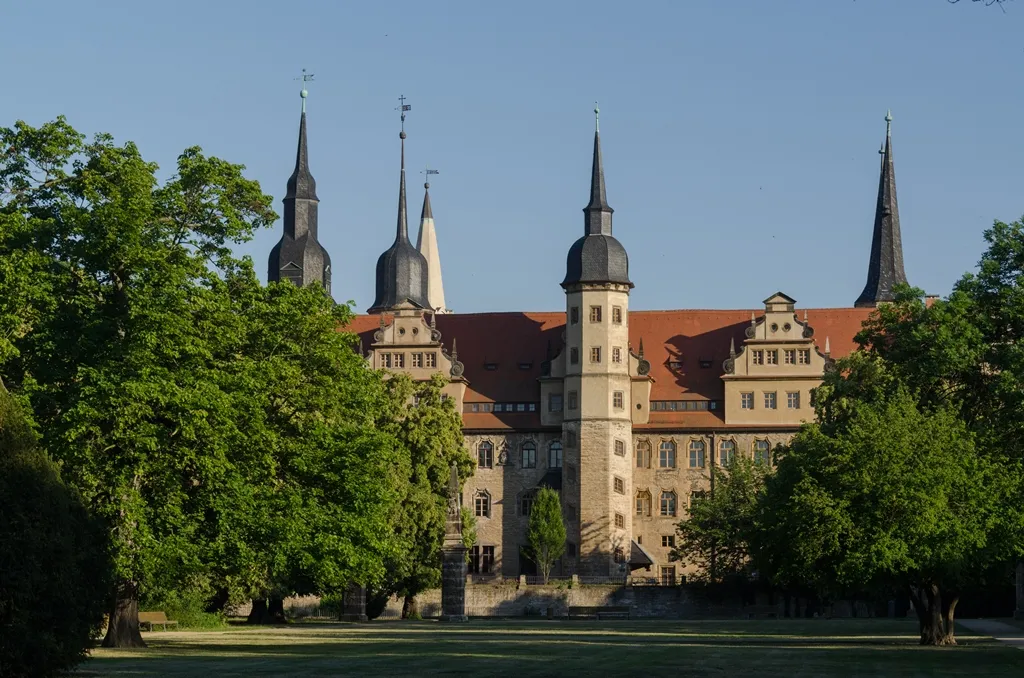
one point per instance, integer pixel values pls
(485, 454)
(668, 503)
(555, 455)
(696, 454)
(529, 455)
(762, 452)
(643, 503)
(667, 454)
(482, 504)
(726, 453)
(643, 454)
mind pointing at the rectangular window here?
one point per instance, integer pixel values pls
(697, 497)
(620, 485)
(474, 560)
(793, 400)
(554, 402)
(572, 400)
(616, 354)
(417, 360)
(804, 356)
(620, 448)
(595, 354)
(482, 505)
(574, 315)
(617, 400)
(769, 400)
(487, 560)
(529, 456)
(532, 407)
(668, 576)
(520, 407)
(570, 438)
(595, 314)
(574, 355)
(430, 360)
(757, 357)
(668, 541)
(570, 549)
(620, 521)
(771, 357)
(696, 454)
(385, 360)
(474, 407)
(498, 407)
(617, 315)
(790, 357)
(747, 401)
(399, 360)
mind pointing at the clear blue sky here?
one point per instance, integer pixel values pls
(736, 133)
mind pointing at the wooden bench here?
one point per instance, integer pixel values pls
(755, 611)
(607, 612)
(151, 619)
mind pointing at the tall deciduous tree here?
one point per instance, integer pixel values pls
(716, 535)
(883, 495)
(545, 532)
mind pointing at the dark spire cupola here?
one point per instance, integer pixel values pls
(885, 268)
(299, 256)
(401, 269)
(597, 257)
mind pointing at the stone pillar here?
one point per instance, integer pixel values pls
(1019, 612)
(453, 584)
(353, 604)
(453, 558)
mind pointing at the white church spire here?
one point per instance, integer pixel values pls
(427, 245)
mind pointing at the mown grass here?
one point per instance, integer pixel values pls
(791, 648)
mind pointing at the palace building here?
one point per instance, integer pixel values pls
(624, 412)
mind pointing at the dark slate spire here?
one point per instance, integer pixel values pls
(299, 256)
(401, 269)
(885, 268)
(597, 257)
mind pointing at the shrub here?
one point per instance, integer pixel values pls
(187, 606)
(53, 561)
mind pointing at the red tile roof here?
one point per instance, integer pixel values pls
(516, 344)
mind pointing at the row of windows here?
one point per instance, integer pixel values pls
(481, 560)
(697, 449)
(771, 400)
(798, 356)
(397, 360)
(555, 401)
(667, 503)
(500, 407)
(683, 405)
(528, 454)
(595, 355)
(595, 315)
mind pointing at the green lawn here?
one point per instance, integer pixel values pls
(791, 648)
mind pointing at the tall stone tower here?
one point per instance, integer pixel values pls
(885, 267)
(299, 256)
(597, 429)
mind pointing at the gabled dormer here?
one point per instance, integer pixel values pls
(768, 381)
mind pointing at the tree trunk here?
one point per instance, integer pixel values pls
(933, 616)
(258, 614)
(276, 610)
(410, 608)
(123, 627)
(949, 606)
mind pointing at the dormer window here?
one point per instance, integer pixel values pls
(490, 367)
(526, 366)
(705, 364)
(675, 364)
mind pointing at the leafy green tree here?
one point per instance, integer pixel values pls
(545, 532)
(429, 431)
(54, 558)
(882, 495)
(716, 535)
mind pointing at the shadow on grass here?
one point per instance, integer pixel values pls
(537, 649)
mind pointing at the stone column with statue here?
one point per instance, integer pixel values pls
(453, 558)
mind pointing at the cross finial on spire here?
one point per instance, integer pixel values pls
(303, 93)
(403, 108)
(597, 117)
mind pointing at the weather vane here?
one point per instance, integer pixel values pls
(306, 77)
(597, 117)
(403, 107)
(427, 171)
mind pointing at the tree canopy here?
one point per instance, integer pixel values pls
(545, 532)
